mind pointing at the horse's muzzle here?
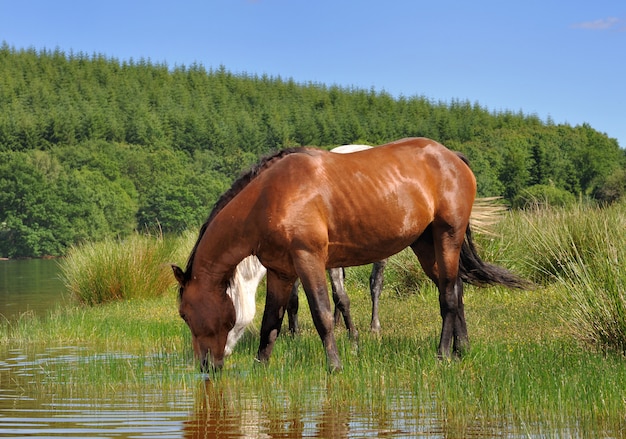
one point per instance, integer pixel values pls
(207, 366)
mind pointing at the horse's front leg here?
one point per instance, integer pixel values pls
(313, 277)
(276, 302)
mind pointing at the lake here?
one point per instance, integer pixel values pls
(30, 286)
(32, 405)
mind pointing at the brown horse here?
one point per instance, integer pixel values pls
(337, 275)
(304, 210)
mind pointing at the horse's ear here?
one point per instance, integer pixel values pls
(178, 274)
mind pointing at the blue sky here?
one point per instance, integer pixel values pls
(564, 60)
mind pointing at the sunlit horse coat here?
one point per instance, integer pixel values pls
(352, 209)
(249, 273)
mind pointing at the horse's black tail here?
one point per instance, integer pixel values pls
(473, 270)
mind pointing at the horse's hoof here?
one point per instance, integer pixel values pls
(260, 362)
(335, 369)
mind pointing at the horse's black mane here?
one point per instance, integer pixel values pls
(462, 157)
(237, 187)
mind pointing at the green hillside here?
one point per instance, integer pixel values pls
(93, 147)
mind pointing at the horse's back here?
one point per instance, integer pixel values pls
(411, 165)
(379, 198)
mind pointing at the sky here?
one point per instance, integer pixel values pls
(561, 60)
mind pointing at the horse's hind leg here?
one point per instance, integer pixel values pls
(439, 258)
(337, 277)
(278, 294)
(376, 286)
(456, 319)
(341, 300)
(292, 309)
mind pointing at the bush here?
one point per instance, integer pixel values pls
(136, 267)
(613, 188)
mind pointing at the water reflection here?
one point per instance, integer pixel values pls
(86, 423)
(225, 413)
(36, 401)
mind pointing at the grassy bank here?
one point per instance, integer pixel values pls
(524, 370)
(532, 367)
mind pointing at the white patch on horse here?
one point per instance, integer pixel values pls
(242, 291)
(346, 149)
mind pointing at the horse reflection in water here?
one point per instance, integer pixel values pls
(352, 209)
(225, 412)
(225, 409)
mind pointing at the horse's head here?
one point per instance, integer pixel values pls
(210, 315)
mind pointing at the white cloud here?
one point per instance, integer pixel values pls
(610, 23)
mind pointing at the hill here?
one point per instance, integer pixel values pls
(93, 147)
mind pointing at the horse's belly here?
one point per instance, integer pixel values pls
(347, 256)
(371, 245)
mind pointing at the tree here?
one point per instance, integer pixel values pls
(514, 173)
(95, 147)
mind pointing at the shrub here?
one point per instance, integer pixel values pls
(613, 188)
(136, 267)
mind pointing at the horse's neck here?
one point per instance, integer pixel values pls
(243, 286)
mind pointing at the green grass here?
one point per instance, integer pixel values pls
(533, 367)
(524, 368)
(582, 249)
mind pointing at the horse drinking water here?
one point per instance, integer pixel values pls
(353, 209)
(249, 273)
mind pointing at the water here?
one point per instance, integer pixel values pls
(33, 403)
(36, 399)
(30, 286)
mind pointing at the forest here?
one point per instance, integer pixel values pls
(92, 147)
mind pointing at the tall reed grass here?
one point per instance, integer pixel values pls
(582, 248)
(121, 269)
